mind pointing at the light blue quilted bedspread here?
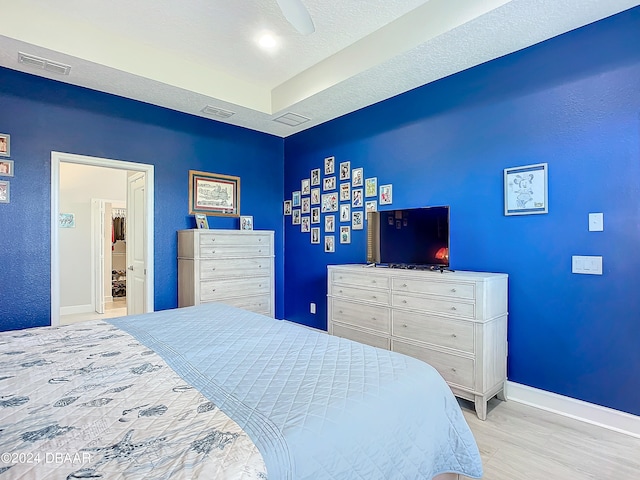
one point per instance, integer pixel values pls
(316, 406)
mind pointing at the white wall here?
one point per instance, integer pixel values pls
(78, 185)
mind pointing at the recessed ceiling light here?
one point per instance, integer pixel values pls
(268, 41)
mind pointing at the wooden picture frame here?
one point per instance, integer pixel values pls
(6, 168)
(5, 145)
(214, 194)
(201, 221)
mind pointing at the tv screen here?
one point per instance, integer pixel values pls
(412, 237)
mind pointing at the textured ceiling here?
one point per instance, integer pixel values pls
(185, 55)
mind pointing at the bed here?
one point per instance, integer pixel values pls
(216, 392)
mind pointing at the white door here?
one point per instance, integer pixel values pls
(97, 254)
(136, 241)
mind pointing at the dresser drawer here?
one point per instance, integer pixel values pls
(435, 305)
(235, 267)
(214, 290)
(359, 279)
(222, 251)
(363, 294)
(235, 238)
(358, 315)
(454, 369)
(441, 331)
(448, 289)
(360, 336)
(259, 304)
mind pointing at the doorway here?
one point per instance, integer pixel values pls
(81, 282)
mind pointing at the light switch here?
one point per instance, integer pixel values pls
(596, 222)
(589, 265)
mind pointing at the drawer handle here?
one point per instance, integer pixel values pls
(259, 266)
(404, 285)
(373, 281)
(453, 290)
(404, 301)
(213, 289)
(404, 325)
(454, 335)
(374, 297)
(339, 291)
(373, 318)
(340, 311)
(213, 268)
(213, 251)
(453, 308)
(453, 370)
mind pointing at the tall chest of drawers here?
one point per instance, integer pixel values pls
(455, 321)
(235, 267)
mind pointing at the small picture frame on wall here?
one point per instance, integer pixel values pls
(201, 221)
(329, 183)
(386, 194)
(287, 207)
(371, 206)
(345, 170)
(214, 194)
(315, 235)
(357, 177)
(315, 196)
(315, 177)
(67, 220)
(371, 187)
(357, 220)
(357, 197)
(295, 217)
(329, 244)
(306, 205)
(345, 234)
(5, 145)
(295, 198)
(329, 165)
(305, 186)
(246, 222)
(315, 215)
(6, 168)
(305, 224)
(4, 192)
(525, 190)
(330, 223)
(345, 212)
(345, 192)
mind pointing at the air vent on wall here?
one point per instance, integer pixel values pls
(44, 64)
(217, 112)
(291, 119)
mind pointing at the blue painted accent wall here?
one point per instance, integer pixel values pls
(572, 102)
(43, 116)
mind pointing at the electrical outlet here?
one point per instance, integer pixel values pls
(312, 307)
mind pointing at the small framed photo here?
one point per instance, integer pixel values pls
(201, 221)
(329, 244)
(315, 235)
(386, 194)
(306, 224)
(345, 234)
(357, 220)
(330, 223)
(329, 202)
(329, 183)
(306, 205)
(246, 222)
(4, 191)
(305, 187)
(315, 176)
(295, 199)
(525, 190)
(67, 220)
(345, 212)
(6, 168)
(371, 206)
(329, 165)
(315, 215)
(371, 187)
(5, 145)
(287, 207)
(295, 217)
(315, 196)
(357, 177)
(357, 197)
(345, 192)
(214, 194)
(345, 170)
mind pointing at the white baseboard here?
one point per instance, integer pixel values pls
(108, 299)
(570, 407)
(77, 309)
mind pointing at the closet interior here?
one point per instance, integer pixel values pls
(118, 253)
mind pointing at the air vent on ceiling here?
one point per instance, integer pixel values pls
(291, 119)
(44, 64)
(217, 112)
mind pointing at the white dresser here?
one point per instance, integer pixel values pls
(234, 267)
(455, 321)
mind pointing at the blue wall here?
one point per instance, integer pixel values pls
(43, 116)
(572, 102)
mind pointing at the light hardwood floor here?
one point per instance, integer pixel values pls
(519, 442)
(117, 308)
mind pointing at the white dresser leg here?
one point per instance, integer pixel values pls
(481, 407)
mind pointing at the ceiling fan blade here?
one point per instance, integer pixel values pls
(297, 15)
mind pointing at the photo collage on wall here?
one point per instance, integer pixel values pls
(335, 200)
(6, 167)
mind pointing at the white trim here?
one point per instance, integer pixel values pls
(570, 407)
(56, 159)
(74, 309)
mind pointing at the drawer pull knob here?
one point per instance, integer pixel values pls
(404, 285)
(213, 268)
(373, 318)
(453, 308)
(453, 370)
(404, 325)
(340, 311)
(373, 281)
(339, 291)
(213, 289)
(453, 290)
(404, 301)
(454, 335)
(374, 297)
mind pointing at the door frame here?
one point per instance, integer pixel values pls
(56, 159)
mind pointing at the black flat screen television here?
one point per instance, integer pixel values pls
(409, 238)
